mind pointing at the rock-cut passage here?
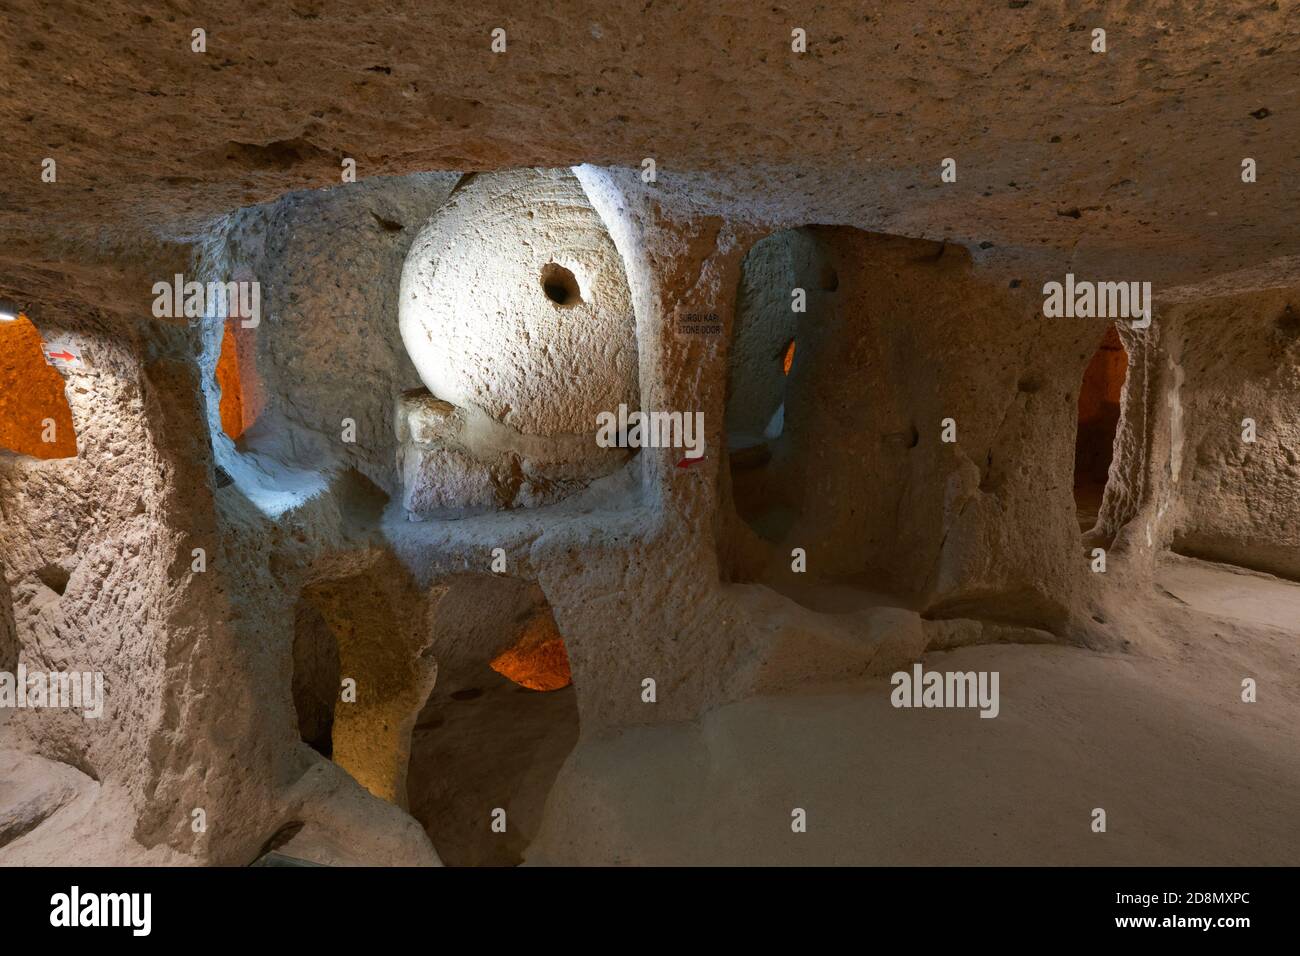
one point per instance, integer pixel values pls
(1099, 398)
(496, 728)
(316, 672)
(765, 376)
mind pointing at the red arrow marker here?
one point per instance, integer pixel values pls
(687, 462)
(66, 356)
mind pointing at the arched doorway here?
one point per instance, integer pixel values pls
(497, 726)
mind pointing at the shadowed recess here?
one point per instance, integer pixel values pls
(1103, 383)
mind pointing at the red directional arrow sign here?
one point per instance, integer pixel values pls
(60, 355)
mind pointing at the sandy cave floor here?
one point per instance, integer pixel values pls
(1187, 772)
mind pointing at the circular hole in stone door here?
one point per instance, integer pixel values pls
(560, 286)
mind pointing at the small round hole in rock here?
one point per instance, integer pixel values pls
(560, 285)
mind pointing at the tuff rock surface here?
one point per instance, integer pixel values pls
(410, 362)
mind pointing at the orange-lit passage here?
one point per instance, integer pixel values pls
(241, 391)
(538, 660)
(34, 415)
(1103, 382)
(232, 398)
